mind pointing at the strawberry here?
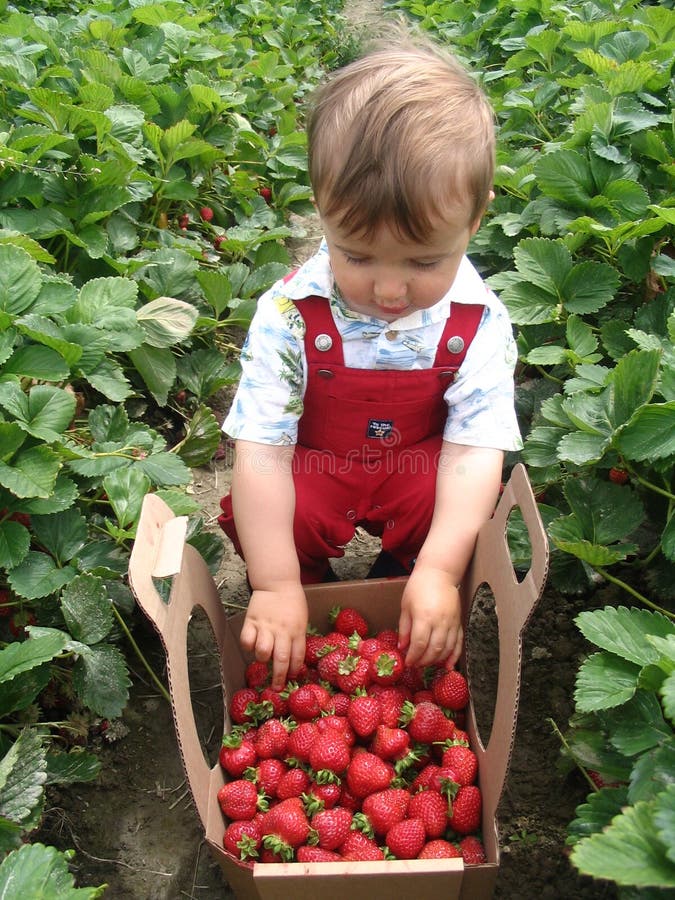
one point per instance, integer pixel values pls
(367, 774)
(327, 666)
(316, 646)
(257, 674)
(6, 604)
(451, 690)
(303, 703)
(267, 775)
(266, 194)
(330, 753)
(364, 714)
(301, 740)
(183, 221)
(426, 778)
(276, 699)
(472, 850)
(348, 620)
(465, 815)
(242, 839)
(240, 711)
(406, 839)
(386, 667)
(426, 722)
(617, 475)
(206, 214)
(439, 849)
(326, 796)
(463, 761)
(306, 854)
(285, 827)
(236, 755)
(338, 725)
(341, 703)
(293, 783)
(391, 701)
(238, 799)
(383, 809)
(432, 808)
(360, 848)
(388, 637)
(368, 647)
(218, 240)
(331, 827)
(390, 743)
(413, 678)
(271, 741)
(353, 672)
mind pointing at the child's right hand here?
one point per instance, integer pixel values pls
(275, 628)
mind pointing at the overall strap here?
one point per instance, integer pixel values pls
(323, 344)
(460, 329)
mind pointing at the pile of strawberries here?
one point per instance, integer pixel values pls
(359, 757)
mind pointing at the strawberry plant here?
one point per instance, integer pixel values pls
(622, 739)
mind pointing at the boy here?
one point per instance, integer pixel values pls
(377, 383)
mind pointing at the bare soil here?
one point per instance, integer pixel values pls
(136, 828)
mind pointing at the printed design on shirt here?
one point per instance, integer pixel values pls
(289, 311)
(290, 373)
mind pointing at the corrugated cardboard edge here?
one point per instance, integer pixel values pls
(194, 586)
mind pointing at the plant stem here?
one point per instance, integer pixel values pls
(139, 653)
(652, 487)
(563, 741)
(638, 596)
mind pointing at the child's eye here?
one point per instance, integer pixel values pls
(419, 264)
(355, 260)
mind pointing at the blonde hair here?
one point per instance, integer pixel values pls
(398, 137)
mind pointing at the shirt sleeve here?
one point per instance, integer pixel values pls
(268, 402)
(481, 411)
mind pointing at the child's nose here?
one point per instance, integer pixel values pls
(389, 289)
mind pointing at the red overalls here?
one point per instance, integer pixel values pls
(368, 444)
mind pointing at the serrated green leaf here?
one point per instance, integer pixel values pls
(627, 852)
(653, 771)
(165, 469)
(664, 819)
(201, 440)
(624, 631)
(633, 382)
(73, 767)
(125, 489)
(37, 362)
(638, 725)
(22, 656)
(14, 544)
(20, 279)
(22, 690)
(108, 378)
(166, 321)
(23, 772)
(604, 681)
(101, 679)
(607, 512)
(32, 473)
(650, 435)
(582, 448)
(38, 576)
(589, 287)
(596, 813)
(41, 872)
(61, 534)
(87, 609)
(565, 175)
(544, 263)
(157, 368)
(668, 696)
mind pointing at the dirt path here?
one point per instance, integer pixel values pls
(136, 828)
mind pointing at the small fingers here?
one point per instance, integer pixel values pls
(280, 662)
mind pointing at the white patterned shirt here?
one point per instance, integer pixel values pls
(269, 399)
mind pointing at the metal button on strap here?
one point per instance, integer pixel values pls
(351, 514)
(323, 342)
(325, 373)
(455, 344)
(391, 335)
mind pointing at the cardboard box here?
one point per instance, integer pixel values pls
(160, 551)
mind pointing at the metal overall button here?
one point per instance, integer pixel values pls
(323, 342)
(455, 344)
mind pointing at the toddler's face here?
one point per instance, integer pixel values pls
(388, 276)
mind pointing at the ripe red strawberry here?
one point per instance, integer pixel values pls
(326, 796)
(353, 672)
(303, 703)
(276, 699)
(384, 809)
(242, 839)
(368, 647)
(472, 850)
(337, 725)
(316, 646)
(6, 604)
(330, 753)
(285, 827)
(413, 678)
(406, 839)
(331, 827)
(306, 854)
(341, 703)
(206, 213)
(271, 740)
(218, 240)
(360, 848)
(439, 849)
(617, 475)
(267, 775)
(257, 674)
(388, 637)
(348, 620)
(432, 808)
(386, 667)
(183, 221)
(451, 690)
(293, 783)
(426, 722)
(463, 761)
(390, 743)
(367, 774)
(465, 816)
(266, 194)
(238, 799)
(236, 755)
(301, 740)
(391, 701)
(364, 714)
(327, 666)
(240, 711)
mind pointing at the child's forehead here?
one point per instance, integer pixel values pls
(388, 236)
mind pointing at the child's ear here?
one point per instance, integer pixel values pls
(479, 219)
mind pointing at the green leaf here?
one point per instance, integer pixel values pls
(20, 279)
(101, 679)
(604, 681)
(14, 543)
(566, 176)
(624, 632)
(126, 489)
(108, 378)
(45, 411)
(165, 469)
(653, 771)
(23, 689)
(633, 383)
(38, 362)
(589, 287)
(157, 368)
(627, 852)
(607, 512)
(203, 372)
(22, 776)
(87, 609)
(166, 321)
(61, 534)
(107, 303)
(650, 435)
(22, 656)
(544, 263)
(73, 767)
(201, 440)
(664, 819)
(41, 872)
(638, 725)
(582, 449)
(38, 576)
(32, 473)
(598, 811)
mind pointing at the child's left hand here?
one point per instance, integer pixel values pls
(430, 625)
